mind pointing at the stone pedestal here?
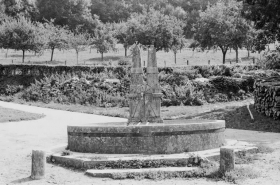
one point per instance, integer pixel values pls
(38, 164)
(227, 160)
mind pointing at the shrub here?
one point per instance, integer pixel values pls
(124, 62)
(271, 60)
(10, 90)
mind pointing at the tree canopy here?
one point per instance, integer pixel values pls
(266, 16)
(154, 28)
(71, 13)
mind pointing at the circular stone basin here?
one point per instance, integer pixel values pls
(172, 136)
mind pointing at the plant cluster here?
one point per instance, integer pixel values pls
(88, 85)
(74, 90)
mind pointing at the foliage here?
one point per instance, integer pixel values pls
(56, 36)
(88, 85)
(271, 59)
(221, 25)
(71, 13)
(266, 17)
(79, 41)
(124, 62)
(22, 34)
(124, 35)
(110, 11)
(251, 42)
(103, 39)
(67, 89)
(18, 8)
(154, 28)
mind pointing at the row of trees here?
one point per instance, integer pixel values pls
(35, 25)
(152, 27)
(23, 34)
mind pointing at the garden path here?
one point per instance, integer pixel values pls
(19, 138)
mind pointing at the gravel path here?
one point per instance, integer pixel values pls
(17, 139)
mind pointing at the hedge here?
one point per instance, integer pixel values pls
(43, 70)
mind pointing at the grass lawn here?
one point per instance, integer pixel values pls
(91, 57)
(9, 115)
(172, 112)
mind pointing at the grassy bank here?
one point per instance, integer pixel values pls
(9, 115)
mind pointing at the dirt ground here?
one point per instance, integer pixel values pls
(17, 139)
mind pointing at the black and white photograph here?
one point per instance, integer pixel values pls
(139, 92)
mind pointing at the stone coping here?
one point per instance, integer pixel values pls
(166, 126)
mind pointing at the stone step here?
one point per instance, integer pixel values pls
(110, 173)
(91, 161)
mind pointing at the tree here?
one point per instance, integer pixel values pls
(221, 25)
(103, 40)
(179, 44)
(22, 34)
(251, 39)
(154, 28)
(266, 16)
(124, 35)
(56, 36)
(79, 41)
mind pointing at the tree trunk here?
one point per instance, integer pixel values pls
(7, 53)
(248, 53)
(101, 56)
(236, 51)
(224, 51)
(224, 57)
(38, 164)
(52, 54)
(23, 55)
(125, 51)
(175, 58)
(77, 54)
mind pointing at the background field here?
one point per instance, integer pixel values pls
(91, 57)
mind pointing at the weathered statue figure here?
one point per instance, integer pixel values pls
(145, 97)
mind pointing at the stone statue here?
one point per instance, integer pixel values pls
(145, 96)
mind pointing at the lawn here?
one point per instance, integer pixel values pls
(91, 57)
(167, 113)
(9, 115)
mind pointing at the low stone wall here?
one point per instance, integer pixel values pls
(267, 96)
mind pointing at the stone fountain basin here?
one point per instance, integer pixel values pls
(172, 136)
